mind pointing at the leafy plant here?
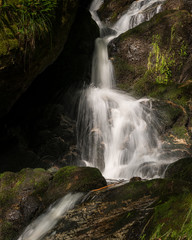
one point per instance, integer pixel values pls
(28, 20)
(183, 49)
(160, 63)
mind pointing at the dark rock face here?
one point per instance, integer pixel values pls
(132, 211)
(19, 65)
(38, 132)
(24, 195)
(44, 141)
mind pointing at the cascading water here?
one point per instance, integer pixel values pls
(38, 228)
(116, 133)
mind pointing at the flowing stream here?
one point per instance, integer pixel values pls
(38, 228)
(116, 132)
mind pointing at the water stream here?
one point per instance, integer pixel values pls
(39, 227)
(116, 132)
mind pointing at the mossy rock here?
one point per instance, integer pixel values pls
(182, 169)
(128, 211)
(171, 219)
(75, 179)
(24, 195)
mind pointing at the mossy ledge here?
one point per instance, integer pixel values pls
(24, 195)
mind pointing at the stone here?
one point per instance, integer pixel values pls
(26, 194)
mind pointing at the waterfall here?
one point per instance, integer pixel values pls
(38, 228)
(116, 132)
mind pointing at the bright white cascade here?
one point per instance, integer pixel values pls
(116, 133)
(38, 228)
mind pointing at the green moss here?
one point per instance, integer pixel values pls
(180, 170)
(183, 49)
(8, 45)
(8, 232)
(180, 131)
(6, 198)
(23, 23)
(145, 85)
(173, 219)
(64, 174)
(39, 170)
(7, 178)
(41, 187)
(122, 66)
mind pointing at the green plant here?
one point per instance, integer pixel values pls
(183, 49)
(27, 21)
(160, 63)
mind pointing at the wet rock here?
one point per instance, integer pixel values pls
(24, 195)
(126, 212)
(135, 179)
(111, 10)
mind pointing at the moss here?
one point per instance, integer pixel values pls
(6, 198)
(64, 174)
(8, 231)
(180, 132)
(180, 170)
(173, 219)
(7, 45)
(7, 179)
(39, 170)
(12, 184)
(145, 85)
(170, 46)
(41, 187)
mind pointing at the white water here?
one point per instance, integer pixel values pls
(38, 228)
(116, 133)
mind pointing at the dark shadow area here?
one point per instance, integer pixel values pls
(39, 130)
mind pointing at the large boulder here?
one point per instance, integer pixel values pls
(24, 195)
